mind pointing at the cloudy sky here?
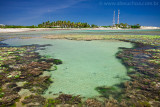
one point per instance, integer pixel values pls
(100, 12)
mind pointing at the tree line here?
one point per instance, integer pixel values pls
(69, 24)
(65, 24)
(125, 25)
(17, 26)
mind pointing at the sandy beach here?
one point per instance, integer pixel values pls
(12, 30)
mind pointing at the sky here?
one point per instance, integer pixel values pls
(99, 12)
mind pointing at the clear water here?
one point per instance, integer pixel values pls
(85, 32)
(86, 65)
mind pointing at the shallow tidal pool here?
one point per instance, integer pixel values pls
(86, 64)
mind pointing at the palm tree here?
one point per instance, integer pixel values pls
(65, 24)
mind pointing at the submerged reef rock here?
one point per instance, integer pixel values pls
(93, 103)
(34, 100)
(57, 61)
(22, 64)
(64, 100)
(9, 99)
(143, 89)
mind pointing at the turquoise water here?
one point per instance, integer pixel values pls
(85, 32)
(86, 65)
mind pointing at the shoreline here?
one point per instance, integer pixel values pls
(16, 30)
(144, 39)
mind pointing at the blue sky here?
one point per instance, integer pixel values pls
(100, 12)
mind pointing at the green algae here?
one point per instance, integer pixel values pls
(16, 70)
(141, 77)
(86, 65)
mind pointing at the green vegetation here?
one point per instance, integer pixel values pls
(65, 24)
(107, 26)
(18, 26)
(125, 25)
(94, 26)
(69, 24)
(55, 24)
(135, 26)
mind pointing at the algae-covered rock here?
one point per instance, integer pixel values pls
(93, 103)
(21, 65)
(34, 100)
(9, 100)
(57, 61)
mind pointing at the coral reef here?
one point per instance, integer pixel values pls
(22, 64)
(143, 89)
